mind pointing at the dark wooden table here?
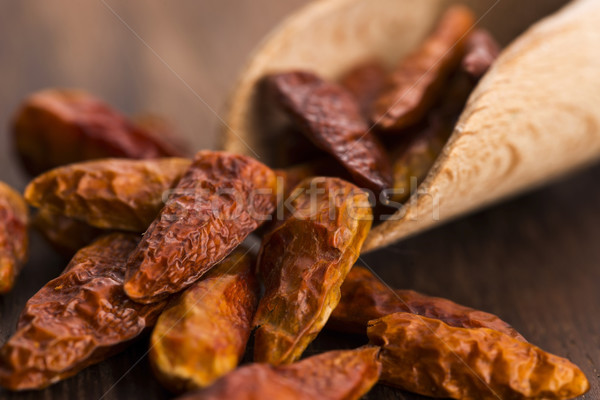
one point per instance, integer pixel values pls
(532, 260)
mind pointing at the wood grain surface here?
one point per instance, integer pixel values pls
(533, 260)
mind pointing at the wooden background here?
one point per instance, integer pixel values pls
(533, 260)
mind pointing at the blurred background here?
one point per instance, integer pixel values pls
(140, 56)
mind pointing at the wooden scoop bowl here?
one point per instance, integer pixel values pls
(533, 117)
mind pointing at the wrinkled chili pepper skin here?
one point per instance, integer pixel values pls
(110, 193)
(66, 235)
(59, 127)
(481, 50)
(203, 334)
(221, 199)
(365, 298)
(417, 82)
(365, 82)
(330, 117)
(77, 319)
(14, 238)
(303, 262)
(335, 375)
(427, 356)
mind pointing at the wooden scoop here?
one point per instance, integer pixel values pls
(533, 117)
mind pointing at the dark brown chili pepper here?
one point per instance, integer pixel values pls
(417, 82)
(365, 298)
(221, 199)
(365, 82)
(335, 375)
(59, 127)
(303, 262)
(78, 319)
(14, 238)
(420, 148)
(481, 52)
(66, 235)
(331, 118)
(295, 174)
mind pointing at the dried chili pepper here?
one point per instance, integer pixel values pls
(109, 193)
(77, 319)
(303, 263)
(59, 127)
(481, 52)
(221, 199)
(365, 82)
(365, 298)
(330, 117)
(203, 334)
(413, 161)
(163, 131)
(417, 82)
(14, 238)
(66, 235)
(335, 375)
(427, 356)
(414, 158)
(295, 174)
